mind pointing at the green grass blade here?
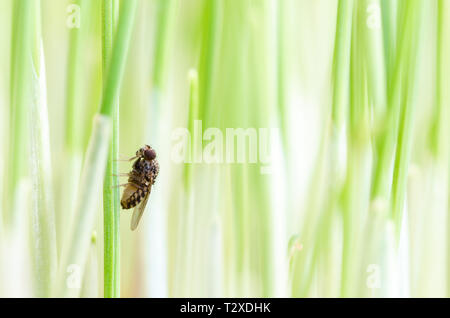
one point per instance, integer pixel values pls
(405, 133)
(111, 191)
(341, 62)
(41, 173)
(117, 64)
(21, 83)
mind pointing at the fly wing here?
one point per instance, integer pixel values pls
(130, 189)
(139, 210)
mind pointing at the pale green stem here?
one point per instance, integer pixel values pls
(188, 218)
(90, 281)
(302, 268)
(359, 139)
(405, 134)
(389, 18)
(111, 191)
(74, 124)
(44, 234)
(117, 64)
(76, 248)
(166, 10)
(208, 59)
(281, 71)
(386, 142)
(73, 140)
(341, 62)
(21, 76)
(194, 111)
(375, 60)
(437, 133)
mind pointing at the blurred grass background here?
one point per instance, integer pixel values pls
(357, 202)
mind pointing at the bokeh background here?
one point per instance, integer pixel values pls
(356, 204)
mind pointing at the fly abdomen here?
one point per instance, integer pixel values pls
(136, 195)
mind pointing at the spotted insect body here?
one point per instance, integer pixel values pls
(140, 180)
(134, 199)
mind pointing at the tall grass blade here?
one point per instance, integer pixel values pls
(111, 191)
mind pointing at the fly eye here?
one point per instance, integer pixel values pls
(149, 154)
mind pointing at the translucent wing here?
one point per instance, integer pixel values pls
(130, 189)
(139, 210)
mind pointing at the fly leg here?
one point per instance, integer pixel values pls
(125, 184)
(130, 159)
(121, 175)
(120, 185)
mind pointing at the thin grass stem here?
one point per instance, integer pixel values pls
(111, 191)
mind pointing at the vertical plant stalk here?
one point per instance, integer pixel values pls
(377, 68)
(90, 280)
(118, 57)
(194, 110)
(386, 141)
(73, 141)
(21, 75)
(341, 62)
(207, 64)
(111, 191)
(44, 234)
(184, 251)
(443, 98)
(304, 265)
(156, 281)
(357, 185)
(200, 90)
(76, 248)
(303, 262)
(405, 131)
(335, 134)
(438, 133)
(375, 59)
(281, 69)
(166, 10)
(73, 81)
(389, 19)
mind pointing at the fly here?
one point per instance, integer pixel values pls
(140, 180)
